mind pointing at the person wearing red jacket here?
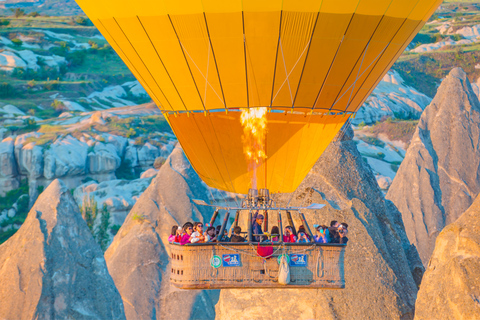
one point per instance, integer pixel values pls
(288, 235)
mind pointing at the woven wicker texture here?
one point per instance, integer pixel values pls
(191, 267)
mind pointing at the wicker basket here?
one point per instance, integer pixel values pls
(313, 266)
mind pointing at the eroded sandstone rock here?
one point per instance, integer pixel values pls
(451, 285)
(438, 179)
(53, 269)
(138, 257)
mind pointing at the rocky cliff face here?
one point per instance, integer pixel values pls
(439, 178)
(138, 256)
(379, 261)
(451, 286)
(53, 269)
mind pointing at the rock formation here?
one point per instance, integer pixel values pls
(380, 264)
(439, 177)
(8, 167)
(451, 285)
(138, 256)
(53, 269)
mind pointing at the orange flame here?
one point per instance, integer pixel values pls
(254, 122)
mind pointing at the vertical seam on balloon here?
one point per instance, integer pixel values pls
(211, 154)
(333, 62)
(133, 66)
(306, 57)
(223, 157)
(368, 75)
(186, 61)
(245, 56)
(142, 61)
(195, 154)
(361, 56)
(161, 61)
(276, 56)
(364, 52)
(373, 87)
(215, 60)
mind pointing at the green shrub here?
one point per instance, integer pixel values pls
(12, 196)
(114, 229)
(89, 211)
(373, 141)
(30, 124)
(102, 231)
(33, 14)
(7, 90)
(4, 22)
(125, 171)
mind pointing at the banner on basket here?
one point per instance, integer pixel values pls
(231, 260)
(298, 260)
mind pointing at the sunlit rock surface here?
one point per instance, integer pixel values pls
(52, 267)
(439, 177)
(451, 286)
(138, 258)
(380, 265)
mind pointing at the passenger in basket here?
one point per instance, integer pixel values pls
(302, 229)
(188, 228)
(302, 237)
(236, 235)
(333, 231)
(322, 234)
(173, 234)
(342, 233)
(225, 238)
(275, 233)
(197, 235)
(211, 235)
(257, 227)
(289, 236)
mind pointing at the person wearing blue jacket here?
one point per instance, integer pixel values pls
(257, 226)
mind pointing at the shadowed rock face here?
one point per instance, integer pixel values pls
(439, 177)
(378, 261)
(138, 257)
(53, 269)
(451, 285)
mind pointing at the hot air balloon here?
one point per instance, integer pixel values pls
(255, 90)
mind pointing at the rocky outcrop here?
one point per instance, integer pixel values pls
(392, 98)
(380, 264)
(53, 269)
(439, 178)
(451, 285)
(138, 256)
(8, 166)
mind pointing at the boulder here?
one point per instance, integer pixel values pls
(29, 159)
(379, 262)
(104, 158)
(147, 155)
(53, 269)
(131, 156)
(438, 179)
(451, 285)
(390, 98)
(66, 156)
(149, 173)
(138, 258)
(8, 166)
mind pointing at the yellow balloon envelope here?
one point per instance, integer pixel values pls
(312, 63)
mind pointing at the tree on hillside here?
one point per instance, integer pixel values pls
(17, 12)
